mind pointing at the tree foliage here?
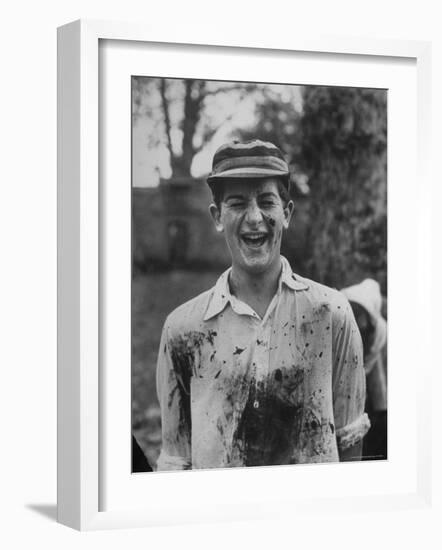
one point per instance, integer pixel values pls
(343, 134)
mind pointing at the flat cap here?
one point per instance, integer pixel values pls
(251, 159)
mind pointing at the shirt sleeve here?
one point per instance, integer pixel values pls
(351, 422)
(174, 399)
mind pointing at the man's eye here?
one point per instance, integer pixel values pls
(236, 204)
(267, 204)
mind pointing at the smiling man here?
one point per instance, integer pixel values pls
(266, 367)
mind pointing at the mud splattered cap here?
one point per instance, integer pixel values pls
(251, 159)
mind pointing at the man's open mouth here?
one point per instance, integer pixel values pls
(255, 240)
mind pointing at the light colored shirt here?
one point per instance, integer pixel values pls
(238, 390)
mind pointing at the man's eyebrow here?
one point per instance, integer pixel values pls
(234, 197)
(267, 194)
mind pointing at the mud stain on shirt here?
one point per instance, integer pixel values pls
(271, 420)
(183, 351)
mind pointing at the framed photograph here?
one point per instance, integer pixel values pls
(186, 171)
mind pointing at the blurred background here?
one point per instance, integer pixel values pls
(335, 140)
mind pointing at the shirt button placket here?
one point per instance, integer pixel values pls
(261, 357)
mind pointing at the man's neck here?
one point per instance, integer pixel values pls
(256, 290)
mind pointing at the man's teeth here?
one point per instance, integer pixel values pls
(255, 238)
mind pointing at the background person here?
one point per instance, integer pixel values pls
(366, 302)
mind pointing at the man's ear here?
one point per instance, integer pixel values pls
(215, 212)
(288, 212)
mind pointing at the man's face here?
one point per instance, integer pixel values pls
(252, 217)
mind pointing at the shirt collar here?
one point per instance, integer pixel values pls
(220, 296)
(221, 293)
(289, 278)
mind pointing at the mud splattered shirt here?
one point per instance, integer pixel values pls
(238, 390)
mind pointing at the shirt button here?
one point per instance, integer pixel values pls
(255, 404)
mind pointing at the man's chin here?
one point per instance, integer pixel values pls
(256, 263)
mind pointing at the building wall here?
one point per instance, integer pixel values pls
(172, 227)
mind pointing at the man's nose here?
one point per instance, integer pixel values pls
(253, 213)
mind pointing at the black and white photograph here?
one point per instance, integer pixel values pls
(259, 274)
(206, 211)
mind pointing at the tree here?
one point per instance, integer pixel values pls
(185, 114)
(344, 152)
